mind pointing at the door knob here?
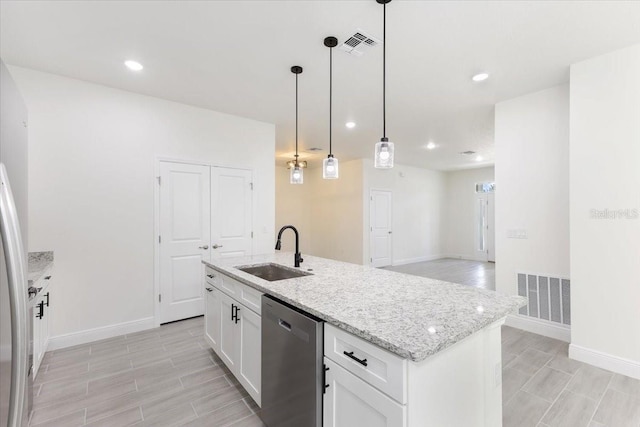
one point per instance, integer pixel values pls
(216, 246)
(205, 247)
(390, 232)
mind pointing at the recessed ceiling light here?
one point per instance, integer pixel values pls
(478, 158)
(133, 65)
(350, 125)
(431, 145)
(480, 77)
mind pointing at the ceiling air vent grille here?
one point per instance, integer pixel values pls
(357, 43)
(468, 152)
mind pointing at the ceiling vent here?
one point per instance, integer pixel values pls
(468, 152)
(359, 42)
(313, 149)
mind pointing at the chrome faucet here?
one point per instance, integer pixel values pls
(297, 258)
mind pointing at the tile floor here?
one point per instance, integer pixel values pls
(542, 387)
(169, 377)
(162, 377)
(471, 273)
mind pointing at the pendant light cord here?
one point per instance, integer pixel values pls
(330, 95)
(296, 120)
(384, 70)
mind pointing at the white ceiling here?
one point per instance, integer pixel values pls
(234, 57)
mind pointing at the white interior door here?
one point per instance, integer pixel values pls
(491, 228)
(380, 222)
(231, 216)
(482, 222)
(184, 238)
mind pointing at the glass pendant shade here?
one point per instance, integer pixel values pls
(296, 176)
(330, 168)
(384, 154)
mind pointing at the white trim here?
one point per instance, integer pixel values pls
(418, 259)
(540, 327)
(465, 257)
(620, 365)
(90, 335)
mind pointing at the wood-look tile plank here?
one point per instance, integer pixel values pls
(225, 396)
(201, 376)
(625, 384)
(570, 410)
(562, 363)
(121, 419)
(70, 420)
(512, 382)
(524, 410)
(250, 421)
(172, 416)
(152, 408)
(530, 361)
(618, 409)
(590, 381)
(224, 416)
(547, 383)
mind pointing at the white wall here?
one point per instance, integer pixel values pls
(461, 212)
(605, 174)
(532, 186)
(91, 182)
(327, 213)
(418, 215)
(336, 213)
(293, 208)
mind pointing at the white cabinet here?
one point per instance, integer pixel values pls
(233, 328)
(349, 401)
(229, 333)
(250, 352)
(41, 327)
(212, 317)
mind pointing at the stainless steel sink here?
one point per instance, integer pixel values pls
(272, 272)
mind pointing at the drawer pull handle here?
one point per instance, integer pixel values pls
(209, 289)
(324, 378)
(47, 303)
(350, 355)
(210, 276)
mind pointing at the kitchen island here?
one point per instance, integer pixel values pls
(433, 347)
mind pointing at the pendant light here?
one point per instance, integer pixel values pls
(296, 175)
(384, 148)
(330, 164)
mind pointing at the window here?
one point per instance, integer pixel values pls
(485, 187)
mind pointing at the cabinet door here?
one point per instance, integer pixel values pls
(46, 322)
(212, 317)
(250, 356)
(349, 401)
(228, 333)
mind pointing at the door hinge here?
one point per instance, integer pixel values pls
(159, 239)
(251, 185)
(159, 297)
(159, 180)
(252, 234)
(370, 259)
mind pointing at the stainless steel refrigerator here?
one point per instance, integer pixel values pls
(15, 321)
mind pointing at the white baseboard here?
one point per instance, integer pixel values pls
(90, 335)
(417, 259)
(622, 366)
(465, 257)
(540, 327)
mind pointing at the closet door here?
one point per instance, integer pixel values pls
(231, 212)
(184, 238)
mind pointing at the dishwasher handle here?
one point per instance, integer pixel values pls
(284, 324)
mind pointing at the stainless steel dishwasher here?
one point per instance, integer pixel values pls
(292, 369)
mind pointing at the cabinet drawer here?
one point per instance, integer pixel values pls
(242, 293)
(211, 276)
(349, 401)
(378, 367)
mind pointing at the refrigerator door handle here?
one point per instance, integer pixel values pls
(16, 272)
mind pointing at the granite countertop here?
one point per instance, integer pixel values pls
(39, 265)
(414, 317)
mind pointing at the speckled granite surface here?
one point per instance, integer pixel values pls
(39, 264)
(411, 316)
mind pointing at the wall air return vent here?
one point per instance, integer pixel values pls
(359, 42)
(549, 297)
